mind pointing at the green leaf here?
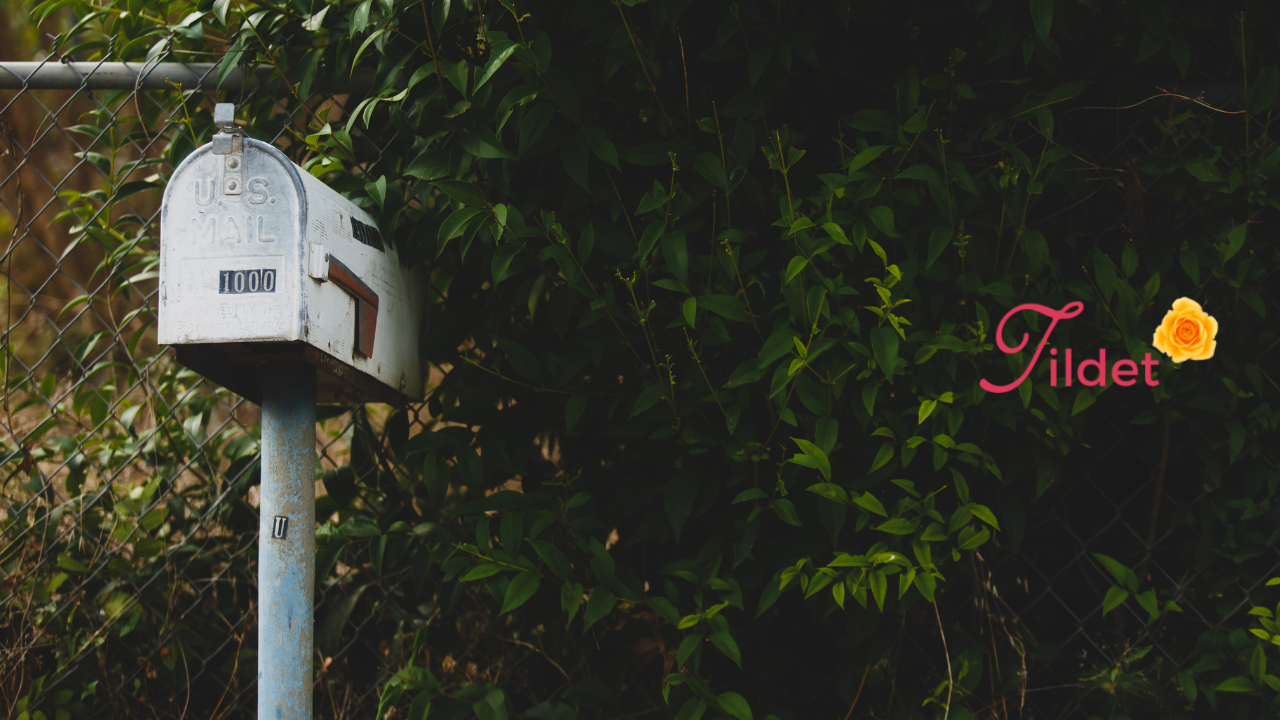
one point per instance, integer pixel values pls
(865, 157)
(690, 309)
(391, 695)
(1263, 90)
(884, 342)
(599, 604)
(1235, 241)
(836, 233)
(522, 587)
(830, 491)
(726, 306)
(920, 172)
(794, 268)
(786, 511)
(574, 154)
(1116, 596)
(779, 344)
(220, 10)
(710, 168)
(66, 562)
(869, 501)
(898, 526)
(648, 397)
(601, 146)
(1084, 399)
(482, 143)
(525, 362)
(819, 457)
(676, 253)
(1148, 601)
(735, 705)
(883, 456)
(1236, 684)
(1190, 264)
(688, 647)
(502, 260)
(723, 639)
(664, 608)
(879, 587)
(1042, 18)
(481, 572)
(421, 705)
(1119, 571)
(573, 410)
(970, 540)
(1188, 685)
(983, 513)
(492, 707)
(498, 55)
(939, 240)
(1105, 274)
(883, 218)
(926, 409)
(463, 192)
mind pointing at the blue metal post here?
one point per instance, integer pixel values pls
(287, 543)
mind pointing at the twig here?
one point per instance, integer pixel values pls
(541, 652)
(688, 108)
(1163, 93)
(854, 704)
(950, 681)
(235, 666)
(643, 68)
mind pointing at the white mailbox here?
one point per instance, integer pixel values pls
(260, 262)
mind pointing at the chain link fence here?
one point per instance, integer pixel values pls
(1136, 486)
(129, 482)
(128, 549)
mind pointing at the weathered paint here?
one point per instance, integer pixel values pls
(246, 241)
(287, 567)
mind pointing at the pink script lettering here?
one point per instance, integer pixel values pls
(1070, 310)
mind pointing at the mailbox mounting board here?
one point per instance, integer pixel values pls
(260, 262)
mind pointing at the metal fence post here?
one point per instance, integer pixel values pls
(287, 543)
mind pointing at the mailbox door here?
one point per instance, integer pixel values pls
(231, 262)
(340, 310)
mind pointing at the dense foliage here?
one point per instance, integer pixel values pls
(713, 289)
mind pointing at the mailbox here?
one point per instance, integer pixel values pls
(260, 262)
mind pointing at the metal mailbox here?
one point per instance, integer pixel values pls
(260, 262)
(278, 288)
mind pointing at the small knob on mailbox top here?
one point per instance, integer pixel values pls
(224, 116)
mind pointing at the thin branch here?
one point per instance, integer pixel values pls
(1163, 93)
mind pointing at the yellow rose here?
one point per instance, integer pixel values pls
(1187, 332)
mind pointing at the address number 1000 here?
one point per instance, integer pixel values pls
(239, 282)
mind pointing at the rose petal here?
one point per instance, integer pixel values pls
(1185, 303)
(1161, 340)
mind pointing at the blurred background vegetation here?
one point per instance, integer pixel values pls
(712, 290)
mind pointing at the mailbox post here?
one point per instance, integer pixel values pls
(278, 288)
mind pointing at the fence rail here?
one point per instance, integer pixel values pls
(52, 75)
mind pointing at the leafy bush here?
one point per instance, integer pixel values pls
(713, 290)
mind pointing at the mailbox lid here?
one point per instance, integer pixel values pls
(349, 235)
(231, 263)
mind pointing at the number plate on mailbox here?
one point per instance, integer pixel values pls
(239, 282)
